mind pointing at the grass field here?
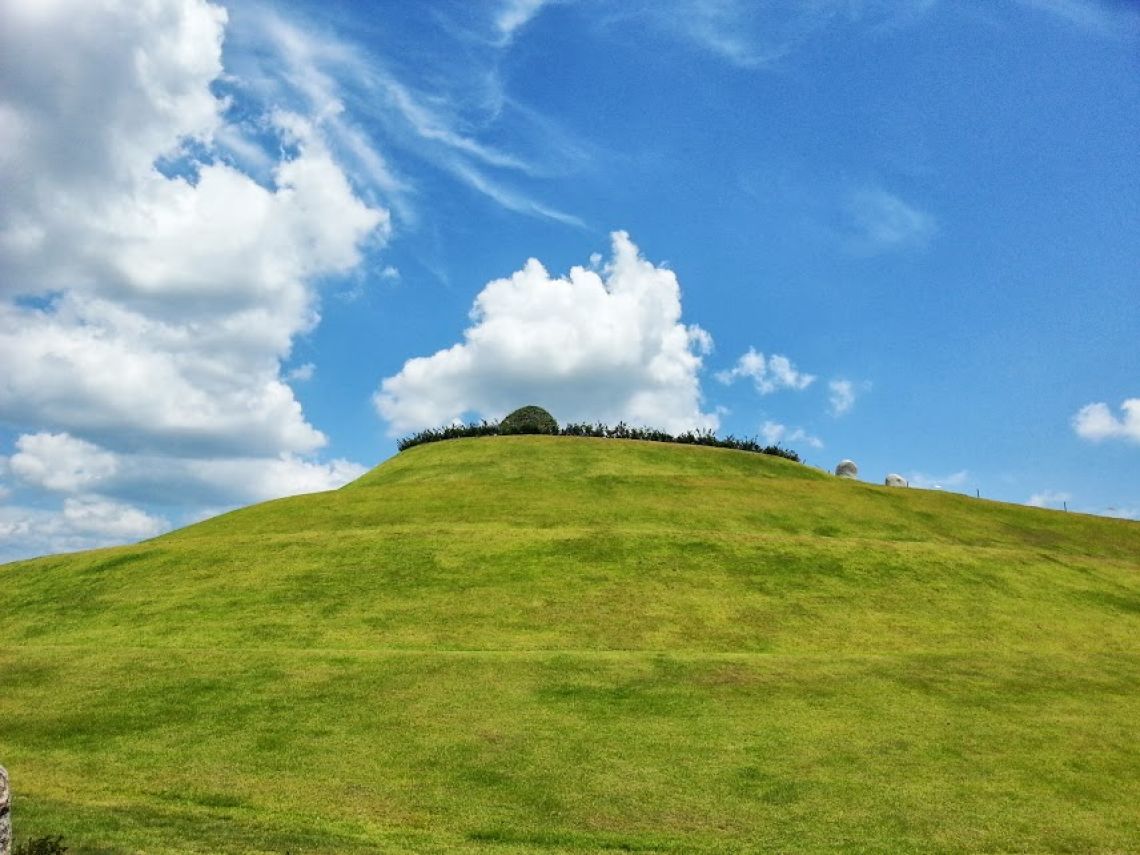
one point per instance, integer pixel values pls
(521, 644)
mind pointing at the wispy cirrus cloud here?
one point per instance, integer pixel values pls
(842, 395)
(881, 221)
(513, 15)
(754, 36)
(1112, 19)
(346, 88)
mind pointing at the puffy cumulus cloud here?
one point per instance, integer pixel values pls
(600, 344)
(1096, 422)
(257, 479)
(83, 522)
(108, 519)
(149, 287)
(105, 491)
(61, 463)
(57, 461)
(775, 433)
(768, 374)
(92, 367)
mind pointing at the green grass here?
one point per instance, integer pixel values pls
(523, 644)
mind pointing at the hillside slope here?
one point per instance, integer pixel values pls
(543, 643)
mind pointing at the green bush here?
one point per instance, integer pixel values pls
(41, 846)
(529, 419)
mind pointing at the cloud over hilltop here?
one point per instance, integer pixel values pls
(603, 343)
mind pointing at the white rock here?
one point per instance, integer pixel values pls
(5, 814)
(847, 469)
(894, 480)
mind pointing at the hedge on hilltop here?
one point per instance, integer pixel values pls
(535, 420)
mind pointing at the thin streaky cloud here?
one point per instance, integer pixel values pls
(1105, 19)
(510, 200)
(751, 36)
(333, 79)
(513, 15)
(881, 221)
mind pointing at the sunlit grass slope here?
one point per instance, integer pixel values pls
(522, 644)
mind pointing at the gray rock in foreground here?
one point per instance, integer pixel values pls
(5, 814)
(894, 480)
(847, 469)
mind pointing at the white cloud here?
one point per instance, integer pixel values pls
(257, 479)
(753, 35)
(107, 519)
(286, 61)
(149, 287)
(180, 298)
(774, 433)
(83, 522)
(1048, 498)
(881, 222)
(768, 374)
(953, 481)
(99, 370)
(64, 464)
(1105, 18)
(515, 14)
(302, 373)
(841, 397)
(606, 345)
(60, 462)
(1096, 422)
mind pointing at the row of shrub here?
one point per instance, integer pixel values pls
(619, 431)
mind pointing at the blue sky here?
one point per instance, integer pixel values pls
(245, 246)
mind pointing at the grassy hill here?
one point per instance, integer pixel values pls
(522, 644)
